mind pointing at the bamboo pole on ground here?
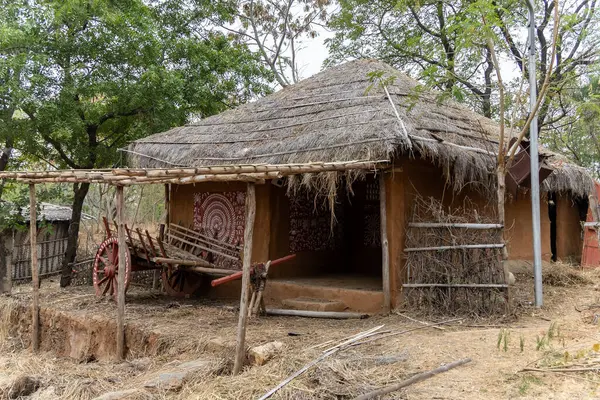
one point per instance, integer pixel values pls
(247, 260)
(412, 380)
(35, 309)
(385, 255)
(122, 244)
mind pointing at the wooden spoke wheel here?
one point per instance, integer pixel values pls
(106, 268)
(181, 283)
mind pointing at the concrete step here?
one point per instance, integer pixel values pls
(313, 304)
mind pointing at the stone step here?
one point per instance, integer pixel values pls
(313, 304)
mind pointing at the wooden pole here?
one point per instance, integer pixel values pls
(385, 254)
(412, 380)
(35, 309)
(457, 247)
(10, 262)
(316, 314)
(121, 277)
(451, 225)
(167, 204)
(247, 260)
(457, 285)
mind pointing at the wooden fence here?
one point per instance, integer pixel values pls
(50, 257)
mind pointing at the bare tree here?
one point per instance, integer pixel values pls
(276, 29)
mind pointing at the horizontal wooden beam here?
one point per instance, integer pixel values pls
(451, 225)
(210, 271)
(457, 285)
(316, 314)
(178, 261)
(244, 173)
(462, 246)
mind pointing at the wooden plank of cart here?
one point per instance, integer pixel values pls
(184, 255)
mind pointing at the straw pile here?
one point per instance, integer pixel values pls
(361, 110)
(455, 266)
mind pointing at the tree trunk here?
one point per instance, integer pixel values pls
(501, 176)
(81, 191)
(4, 158)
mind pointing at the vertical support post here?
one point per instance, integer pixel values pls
(122, 244)
(10, 264)
(385, 254)
(35, 278)
(167, 204)
(535, 168)
(156, 281)
(247, 260)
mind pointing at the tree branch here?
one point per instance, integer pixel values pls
(508, 37)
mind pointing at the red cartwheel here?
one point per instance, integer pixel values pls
(106, 268)
(238, 275)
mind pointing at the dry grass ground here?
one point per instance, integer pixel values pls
(557, 335)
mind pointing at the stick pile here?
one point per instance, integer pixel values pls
(454, 261)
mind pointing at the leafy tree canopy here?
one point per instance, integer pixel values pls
(83, 77)
(443, 45)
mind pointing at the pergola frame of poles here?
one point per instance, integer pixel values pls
(121, 177)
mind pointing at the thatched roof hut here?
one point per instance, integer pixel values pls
(361, 110)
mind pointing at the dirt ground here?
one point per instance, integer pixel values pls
(162, 331)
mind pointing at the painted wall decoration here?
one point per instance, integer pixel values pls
(371, 218)
(310, 224)
(221, 216)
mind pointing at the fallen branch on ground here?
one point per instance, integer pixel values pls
(420, 322)
(323, 356)
(406, 331)
(316, 314)
(590, 369)
(414, 379)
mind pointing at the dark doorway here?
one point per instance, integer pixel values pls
(552, 217)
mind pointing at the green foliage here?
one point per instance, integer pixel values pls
(526, 382)
(543, 342)
(575, 133)
(16, 201)
(89, 76)
(503, 339)
(443, 44)
(378, 79)
(522, 343)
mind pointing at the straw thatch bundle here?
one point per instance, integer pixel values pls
(361, 110)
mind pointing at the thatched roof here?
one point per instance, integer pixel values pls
(343, 114)
(47, 212)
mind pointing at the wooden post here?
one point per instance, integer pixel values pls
(10, 264)
(156, 281)
(247, 260)
(35, 279)
(385, 255)
(121, 277)
(167, 204)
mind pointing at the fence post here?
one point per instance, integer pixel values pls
(35, 309)
(121, 277)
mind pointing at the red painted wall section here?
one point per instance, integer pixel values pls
(590, 257)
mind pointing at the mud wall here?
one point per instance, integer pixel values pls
(569, 241)
(181, 212)
(518, 231)
(79, 336)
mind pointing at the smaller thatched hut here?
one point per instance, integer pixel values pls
(52, 237)
(414, 145)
